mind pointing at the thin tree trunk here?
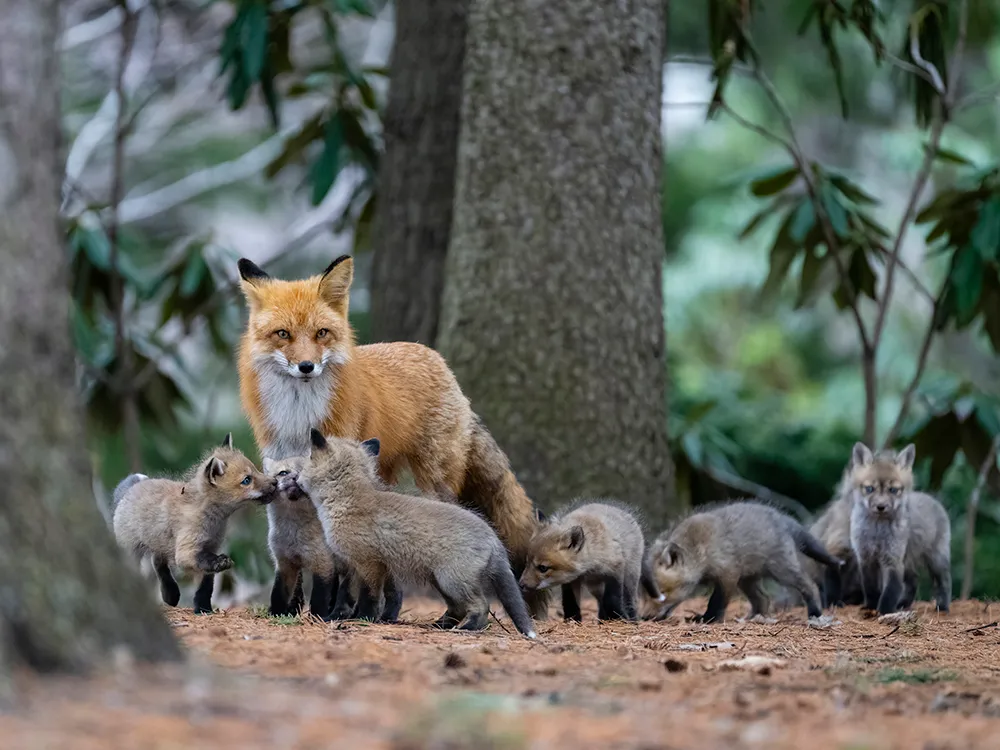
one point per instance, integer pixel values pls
(970, 518)
(417, 178)
(553, 305)
(65, 599)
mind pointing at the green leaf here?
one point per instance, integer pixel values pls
(311, 130)
(990, 304)
(193, 273)
(756, 220)
(835, 211)
(95, 245)
(811, 267)
(783, 253)
(802, 221)
(987, 414)
(851, 191)
(775, 182)
(255, 26)
(948, 155)
(327, 167)
(967, 283)
(985, 236)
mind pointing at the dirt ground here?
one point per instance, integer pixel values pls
(931, 682)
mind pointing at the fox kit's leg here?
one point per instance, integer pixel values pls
(457, 608)
(940, 567)
(287, 582)
(170, 592)
(759, 603)
(571, 601)
(796, 579)
(630, 594)
(322, 594)
(892, 588)
(479, 615)
(203, 595)
(832, 588)
(343, 607)
(373, 578)
(909, 589)
(871, 582)
(717, 602)
(393, 601)
(612, 604)
(208, 561)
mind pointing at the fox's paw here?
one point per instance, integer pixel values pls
(219, 564)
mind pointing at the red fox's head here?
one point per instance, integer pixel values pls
(298, 328)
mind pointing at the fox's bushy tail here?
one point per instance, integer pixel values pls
(506, 589)
(648, 582)
(491, 488)
(813, 547)
(123, 487)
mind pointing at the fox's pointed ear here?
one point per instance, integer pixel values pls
(227, 441)
(372, 446)
(251, 277)
(214, 469)
(335, 283)
(906, 457)
(861, 455)
(317, 439)
(540, 516)
(575, 538)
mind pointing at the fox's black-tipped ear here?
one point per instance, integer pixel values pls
(214, 469)
(576, 538)
(335, 283)
(861, 455)
(372, 446)
(906, 457)
(539, 516)
(250, 271)
(317, 439)
(227, 441)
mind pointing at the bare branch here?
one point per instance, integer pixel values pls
(794, 507)
(96, 28)
(758, 129)
(933, 76)
(959, 56)
(970, 517)
(915, 281)
(909, 68)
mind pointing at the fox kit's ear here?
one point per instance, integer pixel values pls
(372, 447)
(906, 457)
(672, 555)
(861, 455)
(317, 439)
(539, 516)
(335, 283)
(227, 441)
(214, 469)
(574, 540)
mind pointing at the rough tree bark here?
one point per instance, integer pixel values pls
(65, 599)
(553, 306)
(417, 177)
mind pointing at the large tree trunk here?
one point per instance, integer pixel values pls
(417, 178)
(65, 599)
(553, 304)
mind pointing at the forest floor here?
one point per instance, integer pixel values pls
(930, 682)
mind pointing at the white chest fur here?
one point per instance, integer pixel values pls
(292, 407)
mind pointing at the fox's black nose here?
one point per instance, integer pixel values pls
(881, 507)
(306, 367)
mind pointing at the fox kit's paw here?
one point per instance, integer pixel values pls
(219, 564)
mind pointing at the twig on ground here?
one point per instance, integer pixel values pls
(502, 627)
(993, 624)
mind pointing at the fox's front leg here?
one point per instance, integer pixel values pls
(209, 562)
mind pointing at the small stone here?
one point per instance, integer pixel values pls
(649, 685)
(332, 679)
(547, 671)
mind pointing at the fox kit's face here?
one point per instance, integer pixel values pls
(298, 329)
(286, 473)
(881, 483)
(335, 460)
(676, 572)
(234, 479)
(553, 558)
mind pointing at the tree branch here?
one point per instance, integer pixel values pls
(933, 76)
(970, 517)
(794, 507)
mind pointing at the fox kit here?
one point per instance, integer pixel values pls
(736, 546)
(299, 367)
(387, 536)
(182, 523)
(597, 545)
(894, 530)
(833, 529)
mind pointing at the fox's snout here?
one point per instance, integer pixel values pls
(306, 367)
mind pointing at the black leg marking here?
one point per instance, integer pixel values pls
(571, 607)
(279, 597)
(832, 588)
(367, 608)
(631, 611)
(612, 606)
(716, 609)
(909, 589)
(319, 600)
(203, 596)
(475, 621)
(344, 606)
(393, 601)
(871, 584)
(170, 592)
(889, 601)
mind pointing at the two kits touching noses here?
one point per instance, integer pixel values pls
(315, 398)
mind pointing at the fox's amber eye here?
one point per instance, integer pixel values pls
(281, 333)
(322, 333)
(542, 568)
(246, 480)
(868, 489)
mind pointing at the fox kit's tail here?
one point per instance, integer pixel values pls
(507, 591)
(124, 486)
(811, 546)
(648, 582)
(491, 488)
